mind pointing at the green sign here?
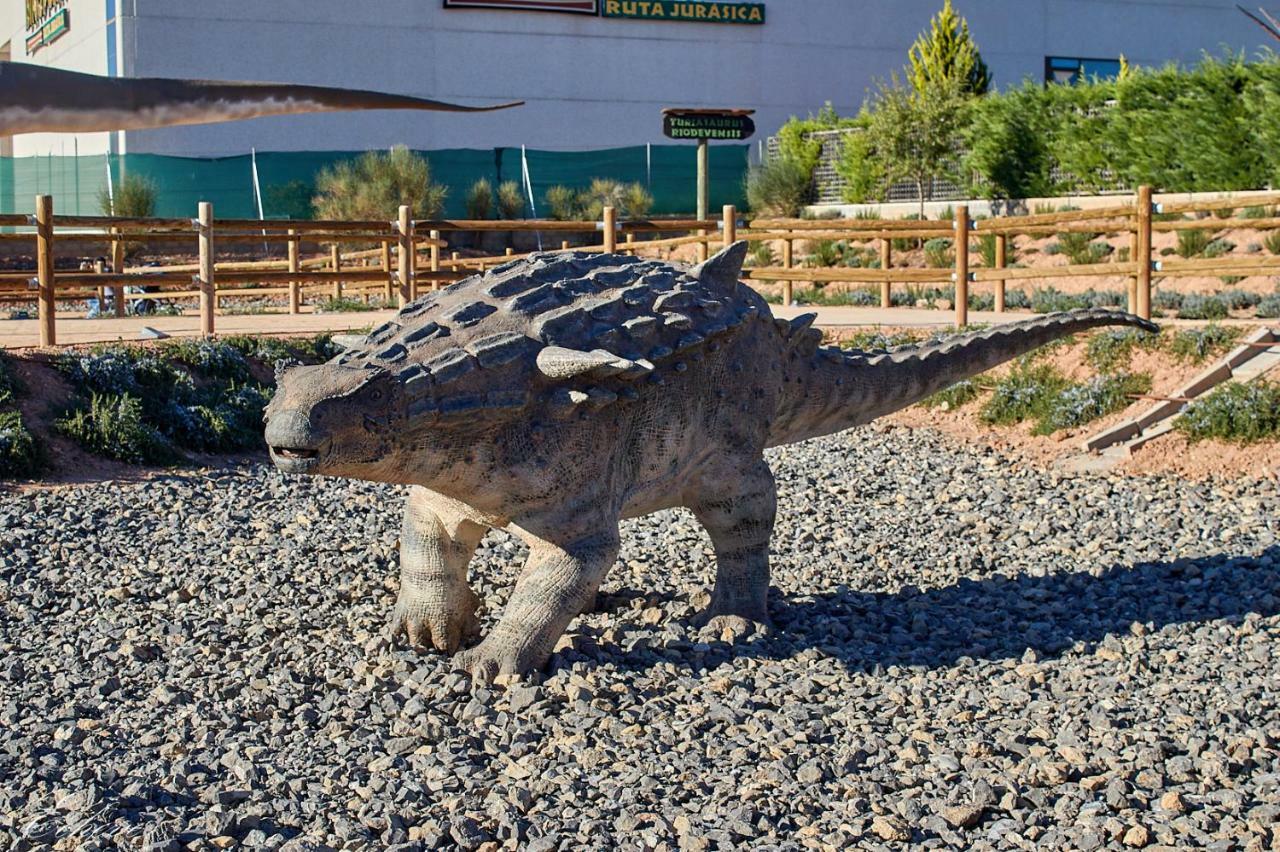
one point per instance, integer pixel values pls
(708, 126)
(697, 11)
(49, 32)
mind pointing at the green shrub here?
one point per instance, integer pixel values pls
(637, 202)
(21, 455)
(1239, 300)
(957, 396)
(1111, 350)
(778, 187)
(135, 198)
(1269, 308)
(113, 426)
(1079, 404)
(561, 204)
(290, 200)
(9, 387)
(877, 341)
(938, 253)
(1272, 242)
(824, 253)
(1025, 393)
(1192, 243)
(510, 201)
(760, 253)
(1236, 412)
(1080, 248)
(215, 359)
(1202, 308)
(479, 200)
(1048, 300)
(1016, 299)
(344, 305)
(1199, 344)
(1219, 248)
(1256, 211)
(1166, 300)
(375, 184)
(986, 249)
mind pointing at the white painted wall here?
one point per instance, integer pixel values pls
(591, 82)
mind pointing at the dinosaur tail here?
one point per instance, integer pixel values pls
(829, 389)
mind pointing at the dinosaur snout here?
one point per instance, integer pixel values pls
(296, 447)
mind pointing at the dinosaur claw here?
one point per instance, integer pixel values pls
(443, 630)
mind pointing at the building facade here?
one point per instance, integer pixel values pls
(595, 74)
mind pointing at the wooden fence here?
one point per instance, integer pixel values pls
(411, 253)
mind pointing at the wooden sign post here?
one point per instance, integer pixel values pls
(704, 125)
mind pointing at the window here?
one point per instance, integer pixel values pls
(1072, 70)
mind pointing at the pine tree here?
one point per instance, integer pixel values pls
(947, 52)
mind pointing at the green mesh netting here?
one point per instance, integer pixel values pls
(287, 179)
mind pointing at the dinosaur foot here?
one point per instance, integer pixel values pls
(500, 661)
(729, 627)
(434, 627)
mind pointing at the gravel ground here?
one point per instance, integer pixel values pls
(970, 655)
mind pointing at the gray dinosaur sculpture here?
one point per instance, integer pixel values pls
(36, 99)
(554, 395)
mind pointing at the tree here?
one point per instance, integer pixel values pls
(374, 185)
(947, 53)
(916, 135)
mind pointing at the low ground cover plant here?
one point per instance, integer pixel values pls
(1110, 350)
(1197, 345)
(1237, 412)
(21, 454)
(1203, 307)
(1038, 392)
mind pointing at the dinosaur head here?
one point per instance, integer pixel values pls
(335, 420)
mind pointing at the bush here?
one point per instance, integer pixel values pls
(1199, 344)
(602, 193)
(1025, 393)
(9, 387)
(637, 202)
(957, 396)
(290, 200)
(479, 201)
(778, 187)
(1192, 243)
(1219, 248)
(986, 249)
(1236, 412)
(1110, 350)
(1202, 308)
(938, 254)
(344, 305)
(112, 425)
(21, 456)
(135, 198)
(1239, 300)
(1083, 403)
(510, 201)
(1166, 300)
(374, 185)
(562, 204)
(1016, 299)
(213, 359)
(760, 253)
(1269, 308)
(1080, 248)
(1255, 211)
(1272, 242)
(1048, 300)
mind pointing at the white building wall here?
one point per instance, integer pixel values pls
(589, 82)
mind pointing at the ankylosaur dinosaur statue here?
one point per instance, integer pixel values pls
(554, 395)
(36, 99)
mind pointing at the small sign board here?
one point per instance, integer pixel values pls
(49, 32)
(697, 11)
(723, 125)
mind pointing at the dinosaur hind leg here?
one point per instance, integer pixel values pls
(436, 608)
(738, 515)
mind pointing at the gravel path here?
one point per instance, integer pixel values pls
(970, 655)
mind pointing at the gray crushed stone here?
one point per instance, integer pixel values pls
(971, 654)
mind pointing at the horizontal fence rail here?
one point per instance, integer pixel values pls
(393, 258)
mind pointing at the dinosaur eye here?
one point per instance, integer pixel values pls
(376, 395)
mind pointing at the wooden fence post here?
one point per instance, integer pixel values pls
(295, 286)
(610, 230)
(208, 292)
(453, 256)
(1143, 257)
(886, 263)
(44, 269)
(121, 304)
(1002, 249)
(335, 261)
(435, 259)
(631, 244)
(787, 286)
(564, 245)
(730, 226)
(1133, 279)
(100, 268)
(387, 294)
(405, 230)
(962, 265)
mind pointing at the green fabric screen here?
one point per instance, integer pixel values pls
(669, 171)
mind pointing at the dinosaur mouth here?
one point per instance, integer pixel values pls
(296, 459)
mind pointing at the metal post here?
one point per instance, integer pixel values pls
(208, 293)
(703, 201)
(44, 269)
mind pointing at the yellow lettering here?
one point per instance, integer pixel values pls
(659, 10)
(699, 12)
(757, 14)
(612, 6)
(713, 13)
(628, 8)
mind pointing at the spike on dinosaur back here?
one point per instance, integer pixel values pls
(722, 270)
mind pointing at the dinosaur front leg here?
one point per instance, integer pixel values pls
(436, 607)
(738, 515)
(557, 584)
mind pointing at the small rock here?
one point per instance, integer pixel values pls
(890, 828)
(1137, 836)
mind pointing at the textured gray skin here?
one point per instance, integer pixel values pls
(554, 396)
